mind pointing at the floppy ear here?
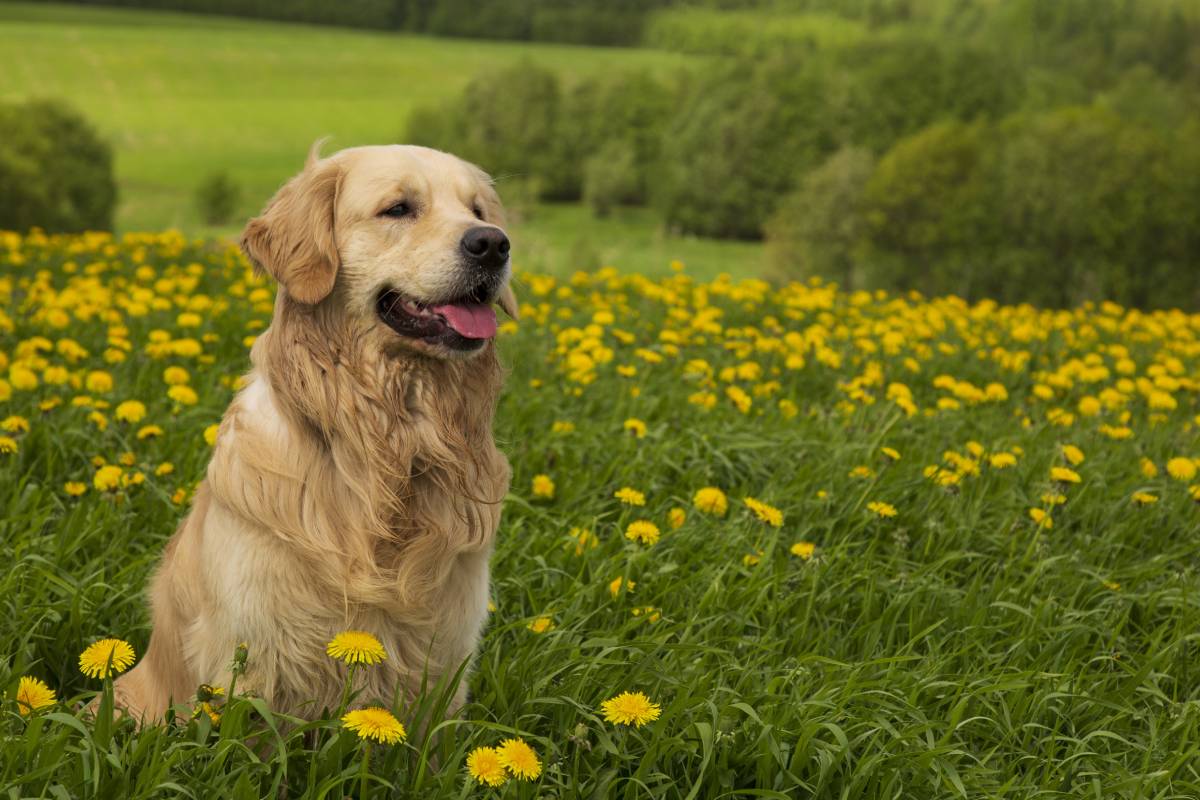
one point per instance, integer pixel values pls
(508, 302)
(293, 238)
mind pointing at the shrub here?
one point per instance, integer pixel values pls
(611, 178)
(55, 171)
(820, 228)
(217, 198)
(738, 138)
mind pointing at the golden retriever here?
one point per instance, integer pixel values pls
(354, 484)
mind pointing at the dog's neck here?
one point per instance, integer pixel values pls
(395, 452)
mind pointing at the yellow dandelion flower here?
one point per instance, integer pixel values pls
(1112, 586)
(107, 478)
(1041, 518)
(891, 453)
(14, 424)
(862, 471)
(106, 658)
(636, 427)
(676, 517)
(630, 496)
(184, 395)
(519, 759)
(1002, 460)
(375, 723)
(614, 588)
(767, 513)
(1148, 468)
(711, 500)
(1064, 475)
(583, 540)
(210, 435)
(1181, 469)
(642, 530)
(8, 445)
(485, 766)
(175, 376)
(130, 411)
(803, 550)
(1144, 498)
(356, 647)
(541, 625)
(884, 510)
(149, 431)
(1073, 454)
(165, 468)
(33, 694)
(74, 488)
(543, 487)
(630, 708)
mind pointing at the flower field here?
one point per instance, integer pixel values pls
(770, 541)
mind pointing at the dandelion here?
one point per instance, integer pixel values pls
(884, 510)
(584, 540)
(1112, 586)
(1144, 498)
(184, 395)
(614, 588)
(14, 424)
(630, 496)
(1064, 475)
(636, 427)
(711, 500)
(175, 376)
(1041, 518)
(33, 694)
(1073, 454)
(149, 432)
(375, 724)
(130, 411)
(1181, 469)
(862, 471)
(630, 708)
(484, 765)
(543, 487)
(107, 478)
(8, 445)
(642, 530)
(210, 435)
(803, 550)
(519, 759)
(892, 453)
(106, 658)
(356, 647)
(1002, 460)
(676, 517)
(74, 488)
(541, 625)
(767, 513)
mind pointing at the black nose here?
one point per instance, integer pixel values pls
(486, 246)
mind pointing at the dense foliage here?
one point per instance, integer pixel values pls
(55, 170)
(849, 544)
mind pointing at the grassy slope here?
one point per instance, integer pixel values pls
(182, 96)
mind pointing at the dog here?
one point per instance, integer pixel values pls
(354, 483)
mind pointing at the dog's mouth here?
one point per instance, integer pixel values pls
(465, 323)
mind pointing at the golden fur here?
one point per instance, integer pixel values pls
(354, 483)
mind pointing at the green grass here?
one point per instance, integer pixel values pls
(954, 650)
(182, 96)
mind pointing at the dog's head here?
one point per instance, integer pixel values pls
(408, 240)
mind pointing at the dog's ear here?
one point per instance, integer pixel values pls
(293, 238)
(508, 302)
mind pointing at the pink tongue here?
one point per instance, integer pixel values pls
(472, 320)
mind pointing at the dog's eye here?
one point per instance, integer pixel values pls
(401, 209)
(478, 211)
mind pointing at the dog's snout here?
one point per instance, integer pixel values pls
(486, 246)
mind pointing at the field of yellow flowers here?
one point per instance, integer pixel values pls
(761, 541)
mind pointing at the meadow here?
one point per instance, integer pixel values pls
(268, 90)
(848, 544)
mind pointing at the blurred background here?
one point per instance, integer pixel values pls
(1020, 150)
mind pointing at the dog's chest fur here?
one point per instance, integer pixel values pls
(347, 500)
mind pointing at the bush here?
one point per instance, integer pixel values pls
(611, 178)
(1051, 208)
(217, 198)
(55, 171)
(739, 137)
(820, 228)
